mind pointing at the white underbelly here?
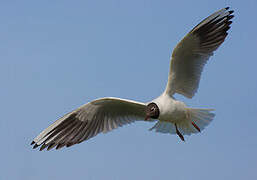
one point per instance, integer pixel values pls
(173, 117)
(171, 110)
(174, 113)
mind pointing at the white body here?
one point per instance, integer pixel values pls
(171, 110)
(176, 115)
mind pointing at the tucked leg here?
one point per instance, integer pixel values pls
(179, 134)
(196, 127)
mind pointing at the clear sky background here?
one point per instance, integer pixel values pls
(58, 55)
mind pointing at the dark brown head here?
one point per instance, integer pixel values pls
(152, 111)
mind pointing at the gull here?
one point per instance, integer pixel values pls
(171, 116)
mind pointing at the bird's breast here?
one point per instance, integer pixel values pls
(173, 112)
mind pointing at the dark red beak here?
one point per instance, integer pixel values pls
(147, 117)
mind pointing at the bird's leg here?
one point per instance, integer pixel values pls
(188, 116)
(196, 127)
(179, 134)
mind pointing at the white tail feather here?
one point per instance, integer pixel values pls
(200, 117)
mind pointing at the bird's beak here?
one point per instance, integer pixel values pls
(147, 117)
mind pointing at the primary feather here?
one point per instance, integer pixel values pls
(101, 115)
(193, 51)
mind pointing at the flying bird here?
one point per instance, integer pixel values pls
(171, 116)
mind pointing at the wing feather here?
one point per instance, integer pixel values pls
(194, 50)
(101, 115)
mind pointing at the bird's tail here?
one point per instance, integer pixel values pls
(196, 121)
(200, 118)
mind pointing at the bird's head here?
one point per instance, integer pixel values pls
(152, 111)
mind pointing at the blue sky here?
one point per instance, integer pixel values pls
(58, 55)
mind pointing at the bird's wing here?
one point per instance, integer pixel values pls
(193, 51)
(101, 115)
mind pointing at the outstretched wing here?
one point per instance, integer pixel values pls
(193, 51)
(101, 115)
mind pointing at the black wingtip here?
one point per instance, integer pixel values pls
(35, 146)
(230, 17)
(226, 8)
(42, 147)
(50, 146)
(69, 144)
(33, 142)
(231, 11)
(59, 146)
